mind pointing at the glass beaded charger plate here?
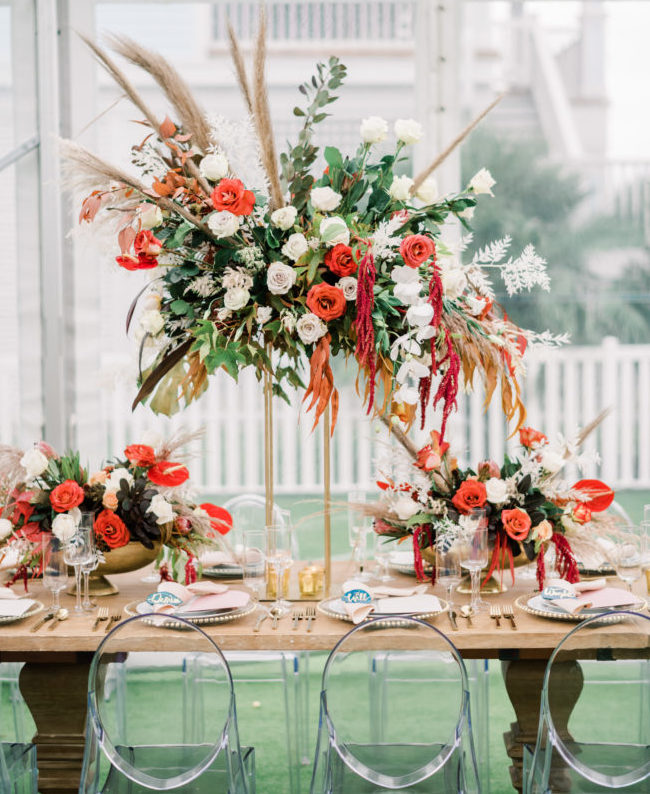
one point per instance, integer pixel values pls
(168, 621)
(534, 604)
(335, 608)
(403, 562)
(32, 610)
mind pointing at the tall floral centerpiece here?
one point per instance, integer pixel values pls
(263, 261)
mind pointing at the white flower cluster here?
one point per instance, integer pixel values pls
(251, 257)
(237, 284)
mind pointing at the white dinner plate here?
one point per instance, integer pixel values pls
(534, 604)
(404, 562)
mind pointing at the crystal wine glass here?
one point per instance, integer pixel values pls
(80, 550)
(473, 552)
(55, 569)
(279, 559)
(253, 561)
(627, 556)
(86, 569)
(358, 533)
(448, 570)
(382, 552)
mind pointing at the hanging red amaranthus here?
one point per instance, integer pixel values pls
(541, 569)
(365, 350)
(565, 564)
(164, 573)
(190, 571)
(448, 387)
(500, 552)
(418, 564)
(435, 301)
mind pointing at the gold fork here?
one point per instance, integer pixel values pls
(310, 615)
(495, 613)
(298, 614)
(113, 619)
(509, 614)
(102, 614)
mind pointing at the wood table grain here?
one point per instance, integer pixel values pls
(54, 678)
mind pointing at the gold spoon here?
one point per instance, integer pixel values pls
(62, 614)
(467, 612)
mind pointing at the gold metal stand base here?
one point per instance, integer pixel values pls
(491, 587)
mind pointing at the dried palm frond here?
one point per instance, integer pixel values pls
(180, 439)
(419, 179)
(262, 116)
(175, 88)
(587, 430)
(240, 68)
(11, 471)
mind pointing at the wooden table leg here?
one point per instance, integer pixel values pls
(55, 693)
(524, 679)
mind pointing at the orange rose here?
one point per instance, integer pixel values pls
(516, 523)
(428, 459)
(470, 495)
(340, 260)
(98, 478)
(140, 455)
(528, 437)
(110, 500)
(111, 529)
(66, 496)
(231, 195)
(416, 249)
(326, 302)
(581, 513)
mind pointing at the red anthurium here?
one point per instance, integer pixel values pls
(168, 474)
(140, 454)
(600, 495)
(221, 519)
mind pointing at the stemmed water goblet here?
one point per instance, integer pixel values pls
(80, 550)
(358, 527)
(473, 552)
(279, 559)
(55, 569)
(86, 569)
(253, 561)
(382, 551)
(448, 570)
(627, 555)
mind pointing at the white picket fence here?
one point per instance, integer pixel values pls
(564, 390)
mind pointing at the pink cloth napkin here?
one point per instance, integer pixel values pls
(404, 605)
(201, 596)
(233, 599)
(593, 594)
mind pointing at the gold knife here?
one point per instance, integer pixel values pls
(44, 619)
(452, 620)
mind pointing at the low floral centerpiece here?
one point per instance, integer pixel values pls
(529, 505)
(264, 261)
(141, 503)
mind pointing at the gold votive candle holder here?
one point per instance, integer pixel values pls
(647, 579)
(310, 580)
(272, 582)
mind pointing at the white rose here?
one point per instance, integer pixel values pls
(113, 483)
(6, 528)
(325, 199)
(482, 182)
(552, 461)
(428, 191)
(408, 131)
(400, 188)
(496, 490)
(403, 274)
(468, 213)
(280, 278)
(152, 321)
(223, 224)
(236, 298)
(404, 507)
(214, 166)
(263, 314)
(334, 231)
(288, 321)
(34, 462)
(373, 129)
(150, 216)
(407, 394)
(295, 246)
(310, 328)
(64, 527)
(151, 301)
(284, 218)
(348, 285)
(162, 509)
(420, 315)
(453, 281)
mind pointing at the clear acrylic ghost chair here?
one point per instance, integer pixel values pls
(594, 727)
(9, 683)
(419, 738)
(143, 748)
(18, 773)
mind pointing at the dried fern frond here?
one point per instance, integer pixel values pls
(240, 68)
(587, 430)
(262, 116)
(419, 179)
(173, 85)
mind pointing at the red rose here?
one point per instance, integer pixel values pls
(470, 495)
(111, 529)
(340, 260)
(146, 244)
(168, 474)
(326, 302)
(416, 249)
(140, 455)
(531, 438)
(221, 520)
(231, 195)
(142, 262)
(516, 523)
(66, 496)
(581, 514)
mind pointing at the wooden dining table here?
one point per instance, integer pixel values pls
(54, 678)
